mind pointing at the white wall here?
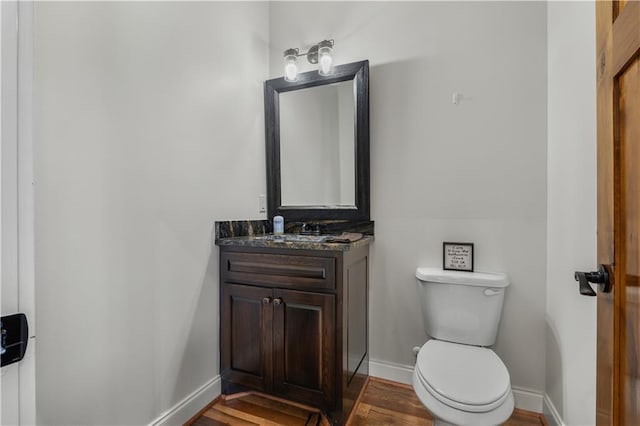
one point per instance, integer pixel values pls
(149, 126)
(571, 232)
(442, 172)
(137, 153)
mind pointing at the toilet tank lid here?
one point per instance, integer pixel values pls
(482, 279)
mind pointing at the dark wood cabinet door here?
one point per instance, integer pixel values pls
(304, 347)
(246, 336)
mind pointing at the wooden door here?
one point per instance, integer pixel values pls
(618, 85)
(304, 345)
(246, 336)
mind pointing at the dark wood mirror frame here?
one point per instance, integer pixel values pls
(357, 71)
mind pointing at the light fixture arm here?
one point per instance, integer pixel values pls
(312, 53)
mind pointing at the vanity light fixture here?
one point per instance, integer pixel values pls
(321, 54)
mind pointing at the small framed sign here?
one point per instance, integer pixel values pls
(457, 256)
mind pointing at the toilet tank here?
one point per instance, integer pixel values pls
(461, 307)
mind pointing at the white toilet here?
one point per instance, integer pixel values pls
(458, 378)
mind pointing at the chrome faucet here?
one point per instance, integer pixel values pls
(310, 229)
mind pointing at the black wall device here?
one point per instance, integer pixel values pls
(15, 334)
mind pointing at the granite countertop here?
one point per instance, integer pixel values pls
(268, 241)
(257, 233)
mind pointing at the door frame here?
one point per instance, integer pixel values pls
(19, 34)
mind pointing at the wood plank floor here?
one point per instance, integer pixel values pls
(389, 403)
(257, 409)
(382, 403)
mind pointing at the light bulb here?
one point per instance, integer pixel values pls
(291, 71)
(325, 60)
(290, 65)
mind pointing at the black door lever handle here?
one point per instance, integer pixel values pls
(600, 277)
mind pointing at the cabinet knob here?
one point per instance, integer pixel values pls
(266, 300)
(277, 301)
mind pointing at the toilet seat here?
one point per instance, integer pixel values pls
(443, 413)
(464, 377)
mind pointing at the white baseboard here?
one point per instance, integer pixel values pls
(525, 399)
(551, 412)
(189, 407)
(391, 371)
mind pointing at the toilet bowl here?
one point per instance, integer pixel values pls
(457, 376)
(462, 384)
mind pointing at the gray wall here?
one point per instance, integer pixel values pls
(442, 172)
(571, 234)
(149, 126)
(138, 151)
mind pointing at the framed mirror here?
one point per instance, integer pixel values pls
(317, 145)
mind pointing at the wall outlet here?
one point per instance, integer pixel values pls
(262, 204)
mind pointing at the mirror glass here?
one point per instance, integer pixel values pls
(317, 146)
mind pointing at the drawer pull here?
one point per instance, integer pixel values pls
(277, 301)
(272, 269)
(266, 300)
(279, 270)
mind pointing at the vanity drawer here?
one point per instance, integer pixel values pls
(279, 270)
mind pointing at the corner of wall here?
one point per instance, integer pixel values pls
(551, 413)
(191, 405)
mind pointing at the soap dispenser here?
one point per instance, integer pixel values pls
(278, 225)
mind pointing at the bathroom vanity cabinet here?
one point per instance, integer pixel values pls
(294, 323)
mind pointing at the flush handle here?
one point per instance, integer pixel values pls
(600, 277)
(492, 291)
